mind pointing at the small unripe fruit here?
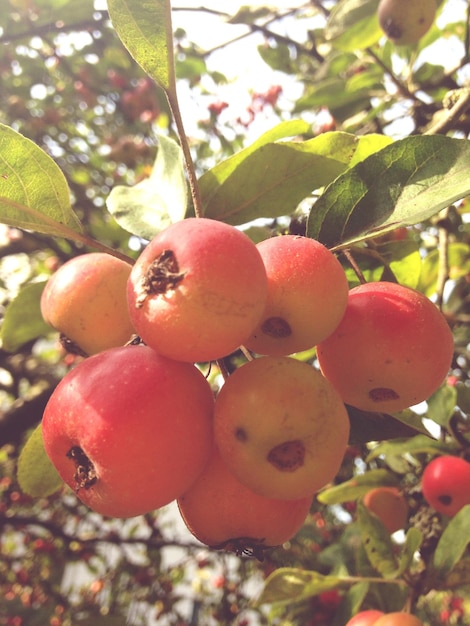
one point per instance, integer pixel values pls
(404, 22)
(129, 430)
(392, 349)
(198, 290)
(307, 296)
(390, 506)
(86, 301)
(281, 427)
(446, 484)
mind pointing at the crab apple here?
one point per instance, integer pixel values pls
(129, 430)
(398, 618)
(198, 290)
(307, 295)
(404, 22)
(281, 427)
(222, 513)
(365, 618)
(390, 506)
(392, 349)
(86, 301)
(446, 484)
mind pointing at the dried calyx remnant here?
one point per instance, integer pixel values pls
(276, 327)
(162, 274)
(244, 546)
(70, 346)
(381, 394)
(287, 456)
(85, 474)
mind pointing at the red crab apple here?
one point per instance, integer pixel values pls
(86, 301)
(390, 506)
(281, 427)
(307, 295)
(446, 484)
(223, 513)
(198, 290)
(129, 430)
(392, 349)
(365, 618)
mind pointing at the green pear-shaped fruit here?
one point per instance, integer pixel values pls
(404, 22)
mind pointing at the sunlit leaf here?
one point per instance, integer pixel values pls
(377, 543)
(145, 29)
(37, 476)
(402, 184)
(458, 261)
(452, 543)
(358, 486)
(353, 24)
(413, 541)
(271, 178)
(416, 445)
(290, 584)
(441, 405)
(34, 193)
(157, 201)
(23, 320)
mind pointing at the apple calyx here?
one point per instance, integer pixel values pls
(383, 394)
(162, 275)
(85, 474)
(287, 456)
(276, 327)
(244, 546)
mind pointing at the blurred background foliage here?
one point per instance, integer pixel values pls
(68, 84)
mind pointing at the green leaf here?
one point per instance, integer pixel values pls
(413, 541)
(34, 193)
(211, 180)
(23, 320)
(377, 543)
(270, 179)
(421, 444)
(357, 487)
(157, 201)
(452, 543)
(37, 476)
(404, 259)
(441, 405)
(145, 29)
(353, 25)
(458, 259)
(290, 584)
(351, 603)
(402, 184)
(367, 426)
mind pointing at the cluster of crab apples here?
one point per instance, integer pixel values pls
(136, 424)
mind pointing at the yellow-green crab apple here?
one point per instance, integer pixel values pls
(129, 430)
(281, 427)
(197, 290)
(307, 295)
(85, 300)
(392, 349)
